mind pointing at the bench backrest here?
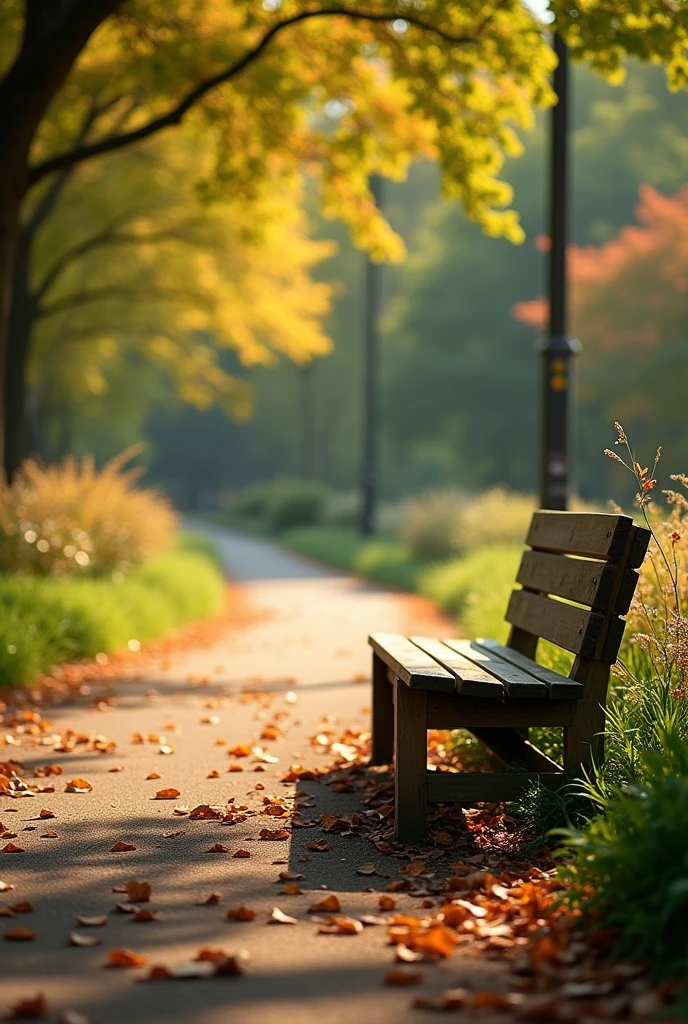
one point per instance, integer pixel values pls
(590, 558)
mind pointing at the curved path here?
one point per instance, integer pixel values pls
(301, 643)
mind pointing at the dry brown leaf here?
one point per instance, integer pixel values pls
(167, 794)
(274, 834)
(21, 908)
(49, 835)
(78, 786)
(214, 774)
(218, 848)
(329, 905)
(20, 934)
(12, 848)
(241, 853)
(279, 917)
(209, 901)
(75, 939)
(235, 768)
(29, 1009)
(319, 845)
(45, 813)
(366, 869)
(289, 876)
(341, 926)
(144, 915)
(153, 775)
(385, 902)
(291, 889)
(120, 847)
(240, 914)
(443, 838)
(138, 892)
(240, 750)
(401, 977)
(204, 812)
(96, 921)
(125, 958)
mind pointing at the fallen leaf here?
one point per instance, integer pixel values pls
(5, 887)
(124, 958)
(21, 908)
(289, 876)
(204, 812)
(46, 813)
(443, 838)
(20, 934)
(240, 914)
(125, 908)
(235, 768)
(209, 901)
(29, 1009)
(341, 926)
(274, 834)
(405, 955)
(165, 749)
(153, 775)
(241, 853)
(145, 915)
(319, 845)
(214, 774)
(218, 848)
(11, 848)
(240, 750)
(401, 977)
(121, 847)
(472, 908)
(291, 889)
(116, 768)
(167, 794)
(78, 786)
(75, 939)
(49, 835)
(386, 902)
(329, 905)
(279, 917)
(96, 921)
(138, 892)
(366, 869)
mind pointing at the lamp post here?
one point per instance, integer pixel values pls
(371, 343)
(557, 349)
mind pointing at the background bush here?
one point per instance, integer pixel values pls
(46, 621)
(277, 505)
(429, 523)
(497, 516)
(73, 519)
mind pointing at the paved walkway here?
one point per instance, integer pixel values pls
(304, 652)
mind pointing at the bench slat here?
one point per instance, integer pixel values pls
(576, 579)
(471, 680)
(590, 534)
(560, 688)
(517, 683)
(575, 629)
(417, 669)
(479, 787)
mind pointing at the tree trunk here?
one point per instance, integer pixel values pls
(21, 321)
(10, 204)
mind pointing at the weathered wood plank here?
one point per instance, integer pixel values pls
(638, 548)
(410, 772)
(590, 534)
(560, 688)
(446, 711)
(575, 629)
(517, 683)
(471, 679)
(469, 787)
(515, 751)
(417, 669)
(595, 584)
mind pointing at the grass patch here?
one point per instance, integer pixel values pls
(46, 621)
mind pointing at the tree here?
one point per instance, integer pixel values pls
(450, 80)
(129, 260)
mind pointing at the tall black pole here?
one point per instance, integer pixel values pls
(372, 304)
(557, 349)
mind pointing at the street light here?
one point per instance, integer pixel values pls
(371, 343)
(557, 349)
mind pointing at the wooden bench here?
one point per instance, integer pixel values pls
(498, 692)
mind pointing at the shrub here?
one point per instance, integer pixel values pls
(630, 865)
(342, 508)
(294, 503)
(74, 519)
(429, 522)
(252, 501)
(497, 516)
(45, 621)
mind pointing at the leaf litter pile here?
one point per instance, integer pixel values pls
(466, 894)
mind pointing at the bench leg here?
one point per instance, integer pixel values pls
(411, 759)
(584, 739)
(382, 742)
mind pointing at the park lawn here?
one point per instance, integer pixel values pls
(45, 622)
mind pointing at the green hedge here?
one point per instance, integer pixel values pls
(44, 621)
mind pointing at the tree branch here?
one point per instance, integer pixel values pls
(122, 291)
(177, 113)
